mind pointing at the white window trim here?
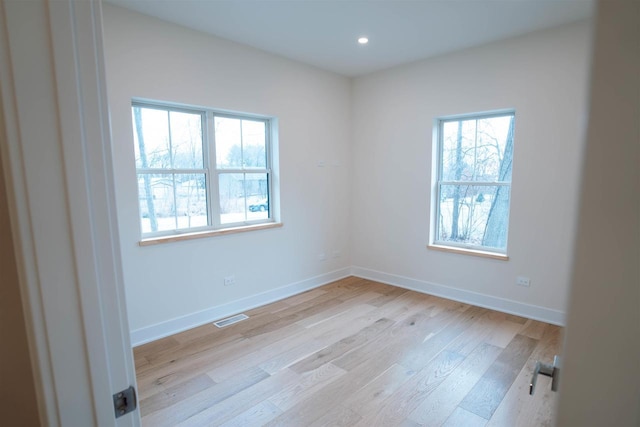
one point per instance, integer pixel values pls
(211, 173)
(456, 247)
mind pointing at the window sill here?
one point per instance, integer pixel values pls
(473, 252)
(209, 233)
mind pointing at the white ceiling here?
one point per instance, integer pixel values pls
(324, 33)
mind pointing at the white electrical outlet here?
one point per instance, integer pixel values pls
(523, 281)
(322, 256)
(230, 280)
(337, 254)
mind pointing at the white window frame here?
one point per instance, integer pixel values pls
(438, 182)
(211, 171)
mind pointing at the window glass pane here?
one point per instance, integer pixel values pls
(151, 138)
(254, 152)
(494, 149)
(474, 215)
(228, 142)
(257, 188)
(186, 140)
(191, 200)
(232, 198)
(157, 209)
(477, 150)
(458, 140)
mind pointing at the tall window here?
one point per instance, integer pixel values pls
(200, 169)
(474, 164)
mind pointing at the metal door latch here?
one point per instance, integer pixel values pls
(552, 371)
(124, 401)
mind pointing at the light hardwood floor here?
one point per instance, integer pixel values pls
(352, 353)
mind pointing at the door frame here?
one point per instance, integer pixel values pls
(57, 162)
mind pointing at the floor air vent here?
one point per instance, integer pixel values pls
(230, 320)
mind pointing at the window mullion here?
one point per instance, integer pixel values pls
(214, 185)
(268, 164)
(170, 138)
(439, 177)
(175, 201)
(478, 183)
(168, 170)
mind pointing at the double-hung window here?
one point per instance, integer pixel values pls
(472, 193)
(200, 169)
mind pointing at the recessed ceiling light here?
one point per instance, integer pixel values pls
(363, 40)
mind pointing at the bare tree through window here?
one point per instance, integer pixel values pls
(475, 157)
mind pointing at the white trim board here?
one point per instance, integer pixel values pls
(189, 321)
(179, 324)
(529, 311)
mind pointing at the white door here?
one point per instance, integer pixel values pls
(600, 378)
(57, 163)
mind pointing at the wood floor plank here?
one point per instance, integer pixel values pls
(445, 398)
(257, 415)
(175, 394)
(398, 405)
(516, 319)
(155, 347)
(189, 348)
(343, 346)
(356, 353)
(223, 371)
(308, 384)
(182, 368)
(274, 308)
(344, 324)
(141, 363)
(187, 366)
(369, 397)
(389, 296)
(518, 408)
(441, 335)
(205, 399)
(201, 345)
(336, 310)
(502, 335)
(287, 342)
(489, 391)
(400, 339)
(209, 330)
(314, 407)
(461, 417)
(336, 416)
(237, 403)
(291, 356)
(293, 314)
(474, 335)
(306, 296)
(534, 329)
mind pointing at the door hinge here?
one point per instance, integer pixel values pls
(125, 401)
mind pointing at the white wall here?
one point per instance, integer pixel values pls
(373, 205)
(543, 77)
(152, 59)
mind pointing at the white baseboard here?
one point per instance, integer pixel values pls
(179, 324)
(468, 297)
